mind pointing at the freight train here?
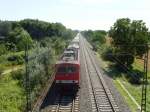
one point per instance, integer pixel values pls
(68, 67)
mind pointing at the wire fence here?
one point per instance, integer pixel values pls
(39, 67)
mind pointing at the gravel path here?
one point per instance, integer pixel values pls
(85, 103)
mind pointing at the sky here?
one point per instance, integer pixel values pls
(77, 14)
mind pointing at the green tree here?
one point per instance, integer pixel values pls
(3, 49)
(5, 28)
(40, 29)
(139, 34)
(99, 36)
(96, 38)
(129, 39)
(59, 46)
(18, 39)
(88, 34)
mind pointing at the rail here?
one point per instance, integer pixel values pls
(92, 67)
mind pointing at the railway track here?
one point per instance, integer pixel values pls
(101, 98)
(68, 102)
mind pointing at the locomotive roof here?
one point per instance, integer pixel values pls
(73, 46)
(67, 62)
(68, 51)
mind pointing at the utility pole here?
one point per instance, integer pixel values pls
(145, 82)
(27, 81)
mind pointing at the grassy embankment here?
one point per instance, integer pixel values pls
(12, 95)
(12, 91)
(134, 90)
(5, 64)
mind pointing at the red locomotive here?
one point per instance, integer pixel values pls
(67, 72)
(68, 67)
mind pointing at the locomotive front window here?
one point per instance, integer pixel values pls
(71, 69)
(62, 70)
(67, 69)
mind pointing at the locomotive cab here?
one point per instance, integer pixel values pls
(67, 73)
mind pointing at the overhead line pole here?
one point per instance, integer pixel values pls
(145, 79)
(27, 81)
(145, 82)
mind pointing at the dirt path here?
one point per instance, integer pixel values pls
(11, 70)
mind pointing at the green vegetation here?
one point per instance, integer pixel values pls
(12, 95)
(128, 100)
(18, 39)
(40, 67)
(129, 39)
(134, 89)
(126, 42)
(14, 35)
(5, 28)
(45, 41)
(96, 38)
(9, 60)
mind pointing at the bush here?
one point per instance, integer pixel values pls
(135, 78)
(20, 60)
(106, 53)
(17, 75)
(3, 49)
(16, 59)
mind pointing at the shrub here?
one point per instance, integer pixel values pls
(106, 53)
(16, 59)
(18, 75)
(1, 70)
(135, 78)
(20, 60)
(3, 49)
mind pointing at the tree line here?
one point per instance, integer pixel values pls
(130, 39)
(96, 38)
(15, 34)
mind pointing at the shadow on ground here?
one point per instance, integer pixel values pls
(58, 92)
(114, 71)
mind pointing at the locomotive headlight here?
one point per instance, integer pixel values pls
(76, 81)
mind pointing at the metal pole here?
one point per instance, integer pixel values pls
(145, 81)
(27, 81)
